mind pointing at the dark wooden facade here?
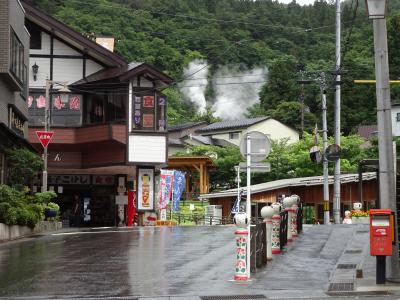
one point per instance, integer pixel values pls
(311, 196)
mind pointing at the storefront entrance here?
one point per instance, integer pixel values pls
(86, 204)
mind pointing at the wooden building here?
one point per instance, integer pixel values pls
(310, 190)
(112, 103)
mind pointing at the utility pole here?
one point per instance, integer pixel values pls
(387, 193)
(336, 184)
(300, 67)
(325, 145)
(46, 128)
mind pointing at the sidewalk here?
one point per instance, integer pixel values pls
(355, 271)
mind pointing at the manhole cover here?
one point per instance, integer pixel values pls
(341, 287)
(346, 266)
(234, 297)
(353, 251)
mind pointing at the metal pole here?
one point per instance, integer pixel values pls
(46, 128)
(336, 180)
(386, 164)
(238, 182)
(325, 160)
(248, 203)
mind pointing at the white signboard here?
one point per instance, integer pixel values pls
(147, 149)
(145, 189)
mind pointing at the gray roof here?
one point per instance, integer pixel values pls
(277, 184)
(174, 142)
(234, 124)
(202, 139)
(134, 64)
(184, 126)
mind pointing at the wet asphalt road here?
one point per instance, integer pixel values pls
(188, 261)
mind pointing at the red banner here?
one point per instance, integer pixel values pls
(131, 208)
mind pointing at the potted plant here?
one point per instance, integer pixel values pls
(360, 217)
(51, 210)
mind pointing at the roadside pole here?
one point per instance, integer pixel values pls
(248, 204)
(325, 145)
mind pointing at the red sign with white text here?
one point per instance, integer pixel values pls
(44, 137)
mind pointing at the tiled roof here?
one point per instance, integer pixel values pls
(184, 126)
(234, 124)
(203, 139)
(365, 131)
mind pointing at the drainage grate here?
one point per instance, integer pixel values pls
(353, 251)
(346, 266)
(362, 231)
(233, 297)
(341, 287)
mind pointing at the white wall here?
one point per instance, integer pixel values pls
(67, 70)
(43, 72)
(395, 123)
(59, 48)
(276, 130)
(92, 67)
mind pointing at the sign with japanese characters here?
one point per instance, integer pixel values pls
(44, 137)
(146, 189)
(17, 123)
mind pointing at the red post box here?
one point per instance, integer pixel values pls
(380, 232)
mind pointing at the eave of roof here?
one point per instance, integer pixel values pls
(123, 74)
(277, 184)
(64, 32)
(184, 126)
(229, 125)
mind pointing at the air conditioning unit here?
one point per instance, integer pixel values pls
(213, 214)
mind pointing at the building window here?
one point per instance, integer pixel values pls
(115, 108)
(95, 109)
(398, 117)
(234, 135)
(36, 38)
(16, 57)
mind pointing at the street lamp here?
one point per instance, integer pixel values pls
(64, 94)
(387, 194)
(376, 9)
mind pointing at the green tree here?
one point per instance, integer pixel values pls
(24, 166)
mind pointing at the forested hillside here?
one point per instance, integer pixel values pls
(235, 50)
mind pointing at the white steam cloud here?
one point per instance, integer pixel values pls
(236, 90)
(193, 88)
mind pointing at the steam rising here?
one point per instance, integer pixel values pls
(235, 89)
(193, 88)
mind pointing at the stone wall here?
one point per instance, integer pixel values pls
(8, 233)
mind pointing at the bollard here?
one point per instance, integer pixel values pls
(267, 212)
(295, 207)
(241, 247)
(287, 204)
(276, 224)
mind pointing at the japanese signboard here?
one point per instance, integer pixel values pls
(145, 189)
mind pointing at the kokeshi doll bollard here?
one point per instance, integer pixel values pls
(295, 207)
(276, 225)
(267, 212)
(287, 205)
(241, 246)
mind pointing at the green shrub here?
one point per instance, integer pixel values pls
(44, 197)
(16, 208)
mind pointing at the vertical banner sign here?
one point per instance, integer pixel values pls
(179, 186)
(166, 179)
(137, 112)
(131, 208)
(146, 189)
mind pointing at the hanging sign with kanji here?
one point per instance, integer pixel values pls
(45, 137)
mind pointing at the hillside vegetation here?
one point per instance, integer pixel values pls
(245, 34)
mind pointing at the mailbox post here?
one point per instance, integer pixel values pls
(380, 240)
